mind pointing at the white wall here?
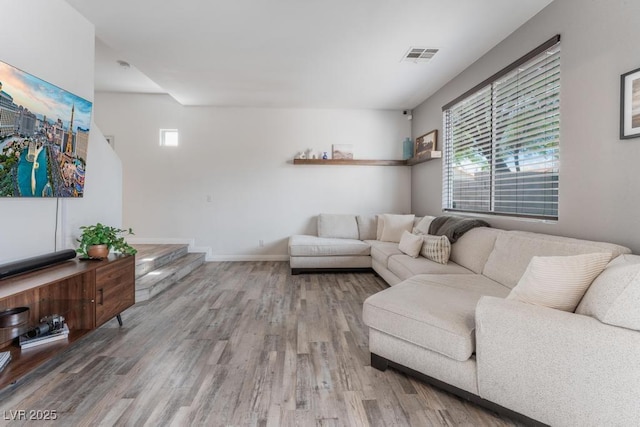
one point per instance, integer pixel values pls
(241, 158)
(49, 39)
(599, 183)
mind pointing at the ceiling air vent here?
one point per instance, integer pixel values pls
(419, 54)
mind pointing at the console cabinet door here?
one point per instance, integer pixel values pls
(115, 288)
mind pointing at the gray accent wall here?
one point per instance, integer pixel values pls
(599, 173)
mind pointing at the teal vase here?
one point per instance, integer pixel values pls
(407, 149)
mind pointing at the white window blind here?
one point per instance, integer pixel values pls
(502, 140)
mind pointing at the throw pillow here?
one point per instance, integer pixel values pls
(367, 226)
(422, 227)
(436, 248)
(558, 281)
(380, 226)
(394, 225)
(410, 244)
(337, 226)
(614, 297)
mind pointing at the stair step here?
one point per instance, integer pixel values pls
(160, 279)
(153, 257)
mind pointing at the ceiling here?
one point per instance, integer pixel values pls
(294, 53)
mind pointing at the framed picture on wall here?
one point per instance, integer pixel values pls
(630, 104)
(425, 144)
(342, 151)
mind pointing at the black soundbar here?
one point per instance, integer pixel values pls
(34, 263)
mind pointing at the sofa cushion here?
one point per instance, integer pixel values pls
(381, 251)
(301, 245)
(394, 225)
(436, 248)
(379, 226)
(338, 226)
(474, 247)
(422, 226)
(559, 282)
(410, 244)
(513, 251)
(367, 226)
(431, 314)
(405, 267)
(614, 296)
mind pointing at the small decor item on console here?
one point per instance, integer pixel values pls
(13, 322)
(51, 328)
(105, 236)
(324, 155)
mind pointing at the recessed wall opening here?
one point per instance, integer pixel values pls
(168, 137)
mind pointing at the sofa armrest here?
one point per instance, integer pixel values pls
(557, 367)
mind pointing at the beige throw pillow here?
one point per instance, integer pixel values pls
(422, 227)
(436, 248)
(614, 296)
(394, 225)
(379, 226)
(410, 244)
(558, 281)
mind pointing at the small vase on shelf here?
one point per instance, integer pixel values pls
(324, 155)
(407, 149)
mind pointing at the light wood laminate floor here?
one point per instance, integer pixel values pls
(239, 344)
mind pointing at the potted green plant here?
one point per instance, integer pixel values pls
(97, 240)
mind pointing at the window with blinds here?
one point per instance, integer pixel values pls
(502, 138)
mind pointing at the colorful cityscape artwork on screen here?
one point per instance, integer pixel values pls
(44, 134)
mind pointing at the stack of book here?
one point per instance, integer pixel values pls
(5, 358)
(57, 335)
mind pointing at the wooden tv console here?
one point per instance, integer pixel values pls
(86, 293)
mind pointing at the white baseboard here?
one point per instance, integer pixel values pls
(203, 249)
(160, 241)
(219, 258)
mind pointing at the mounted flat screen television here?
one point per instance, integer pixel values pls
(44, 136)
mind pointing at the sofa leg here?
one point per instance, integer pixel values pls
(379, 362)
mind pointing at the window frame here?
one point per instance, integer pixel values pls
(447, 188)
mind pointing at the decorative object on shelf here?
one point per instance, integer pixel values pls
(324, 155)
(99, 234)
(407, 149)
(47, 325)
(14, 316)
(630, 104)
(309, 153)
(59, 334)
(425, 144)
(13, 322)
(342, 151)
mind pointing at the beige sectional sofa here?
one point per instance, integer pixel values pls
(453, 325)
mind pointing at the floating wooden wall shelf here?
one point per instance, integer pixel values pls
(365, 162)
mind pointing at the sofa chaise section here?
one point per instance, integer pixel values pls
(311, 253)
(433, 326)
(339, 245)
